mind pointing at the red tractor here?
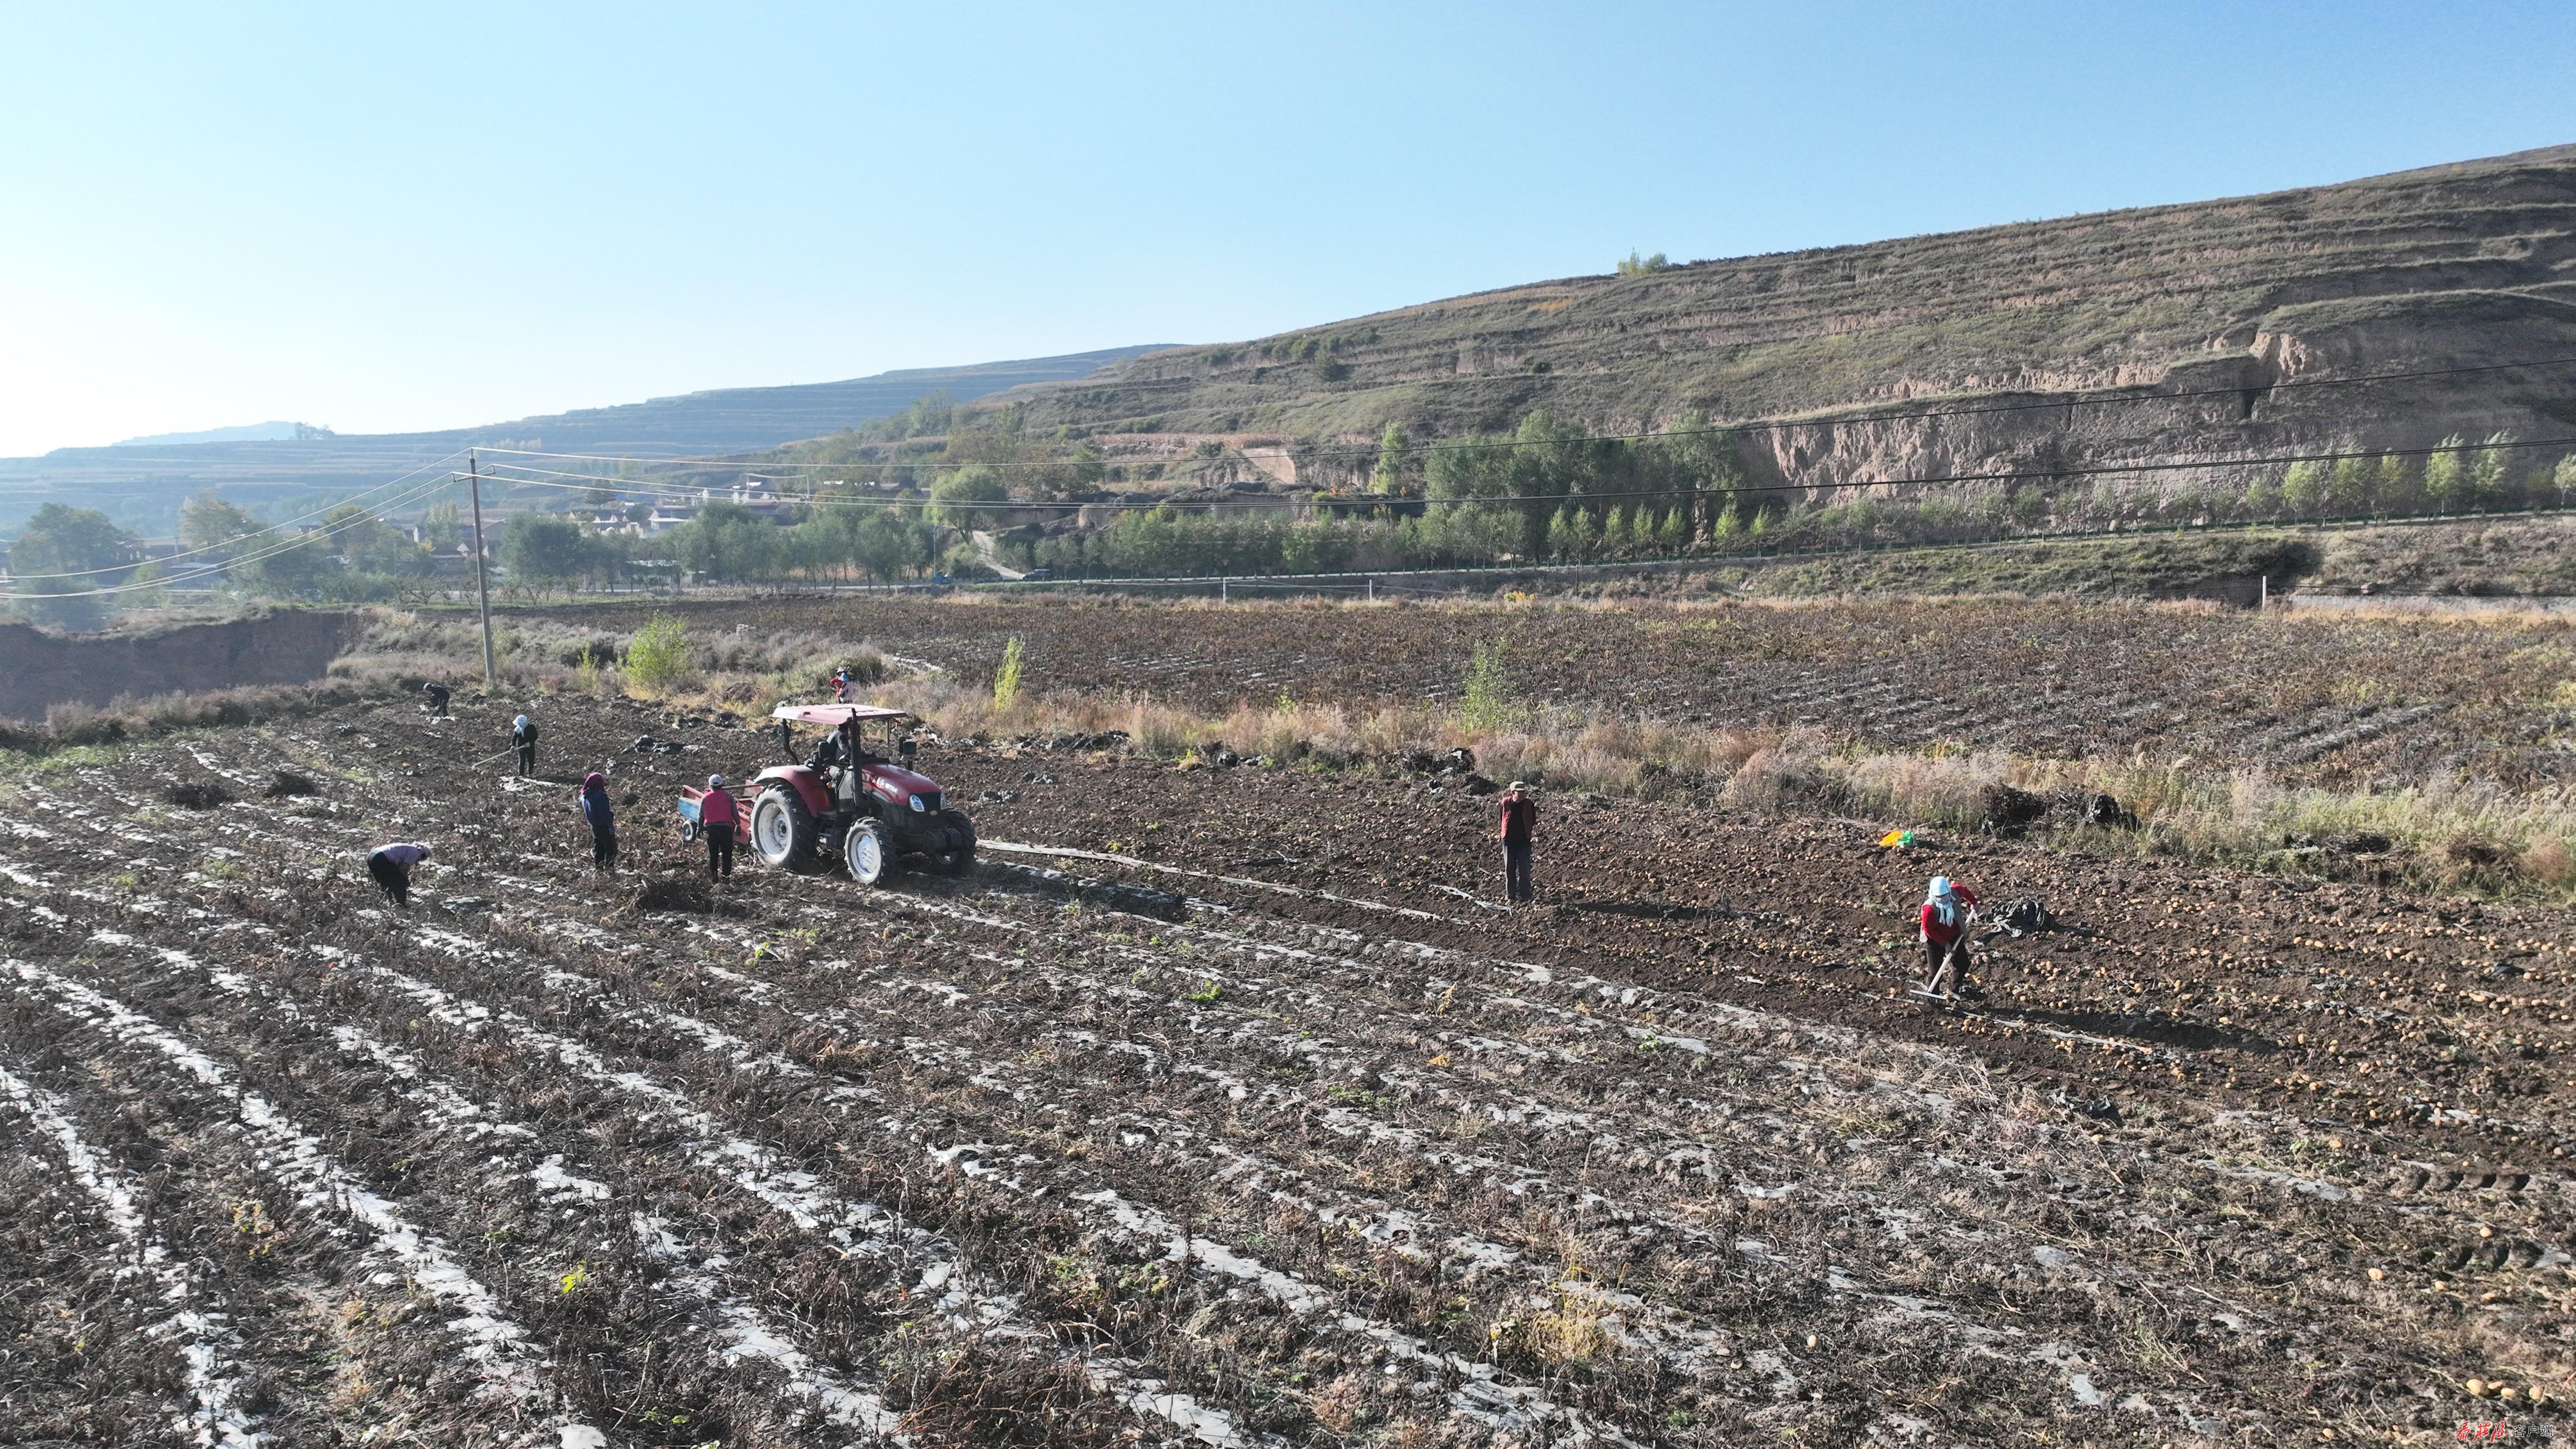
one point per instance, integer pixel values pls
(852, 797)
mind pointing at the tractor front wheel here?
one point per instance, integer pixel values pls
(782, 829)
(960, 856)
(865, 851)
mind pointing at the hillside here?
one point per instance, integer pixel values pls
(140, 484)
(2449, 266)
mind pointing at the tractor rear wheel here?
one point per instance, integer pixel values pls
(866, 852)
(782, 829)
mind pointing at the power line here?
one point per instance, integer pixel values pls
(209, 571)
(1759, 425)
(256, 532)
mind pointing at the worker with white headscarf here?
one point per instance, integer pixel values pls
(1948, 907)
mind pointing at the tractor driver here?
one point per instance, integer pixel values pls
(842, 747)
(827, 752)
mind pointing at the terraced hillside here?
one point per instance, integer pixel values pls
(2453, 265)
(1273, 1133)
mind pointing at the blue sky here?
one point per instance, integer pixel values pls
(381, 218)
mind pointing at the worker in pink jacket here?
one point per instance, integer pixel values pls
(1947, 910)
(718, 816)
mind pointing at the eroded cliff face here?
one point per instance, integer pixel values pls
(39, 670)
(2454, 266)
(2236, 405)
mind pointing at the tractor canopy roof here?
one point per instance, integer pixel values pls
(834, 714)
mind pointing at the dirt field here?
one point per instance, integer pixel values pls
(1220, 1107)
(2340, 701)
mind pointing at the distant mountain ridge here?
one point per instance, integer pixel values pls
(246, 433)
(142, 483)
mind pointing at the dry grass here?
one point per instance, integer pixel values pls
(2444, 832)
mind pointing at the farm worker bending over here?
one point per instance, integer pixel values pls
(437, 693)
(391, 865)
(1947, 910)
(603, 821)
(523, 734)
(717, 816)
(1518, 828)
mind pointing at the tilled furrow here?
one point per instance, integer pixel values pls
(508, 1366)
(193, 1317)
(926, 1265)
(574, 1210)
(1545, 1036)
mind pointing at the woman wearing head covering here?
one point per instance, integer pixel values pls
(603, 821)
(1947, 909)
(391, 865)
(1518, 831)
(523, 736)
(717, 816)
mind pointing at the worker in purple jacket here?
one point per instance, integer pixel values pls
(391, 865)
(603, 821)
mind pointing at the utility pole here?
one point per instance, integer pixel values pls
(482, 590)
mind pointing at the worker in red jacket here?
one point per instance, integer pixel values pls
(1947, 909)
(718, 815)
(1517, 830)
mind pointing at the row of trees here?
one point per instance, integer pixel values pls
(724, 543)
(1567, 501)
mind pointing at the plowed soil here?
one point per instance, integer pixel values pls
(2335, 701)
(1223, 1106)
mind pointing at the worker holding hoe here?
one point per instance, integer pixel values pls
(1518, 829)
(1947, 909)
(523, 738)
(603, 821)
(717, 816)
(392, 866)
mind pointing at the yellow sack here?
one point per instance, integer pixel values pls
(1897, 838)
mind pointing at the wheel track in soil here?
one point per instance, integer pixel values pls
(99, 782)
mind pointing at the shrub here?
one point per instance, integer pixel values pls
(1006, 678)
(1487, 702)
(657, 658)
